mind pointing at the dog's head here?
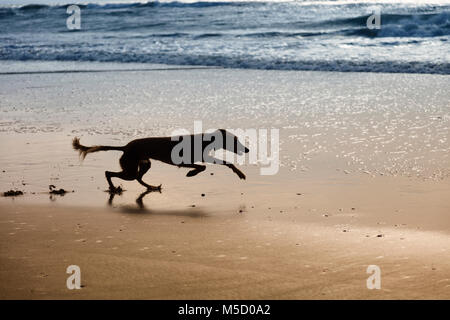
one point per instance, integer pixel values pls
(236, 147)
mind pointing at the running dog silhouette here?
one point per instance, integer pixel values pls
(135, 161)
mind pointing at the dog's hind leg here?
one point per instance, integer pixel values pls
(129, 172)
(124, 175)
(197, 169)
(109, 175)
(144, 166)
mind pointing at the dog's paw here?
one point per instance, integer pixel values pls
(115, 190)
(239, 174)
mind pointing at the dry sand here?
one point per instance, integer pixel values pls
(364, 180)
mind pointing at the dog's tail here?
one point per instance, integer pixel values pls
(83, 150)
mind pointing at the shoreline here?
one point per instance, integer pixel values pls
(146, 67)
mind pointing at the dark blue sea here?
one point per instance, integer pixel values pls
(414, 37)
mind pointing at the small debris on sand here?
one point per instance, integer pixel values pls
(379, 235)
(203, 194)
(193, 205)
(299, 194)
(61, 192)
(12, 193)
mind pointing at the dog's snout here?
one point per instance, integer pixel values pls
(246, 150)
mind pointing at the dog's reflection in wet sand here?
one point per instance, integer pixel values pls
(141, 208)
(139, 200)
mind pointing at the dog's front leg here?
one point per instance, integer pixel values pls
(197, 168)
(239, 173)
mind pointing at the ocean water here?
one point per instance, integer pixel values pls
(414, 37)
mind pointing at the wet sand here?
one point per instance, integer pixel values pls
(189, 254)
(364, 180)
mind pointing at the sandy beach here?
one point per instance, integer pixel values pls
(363, 180)
(186, 254)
